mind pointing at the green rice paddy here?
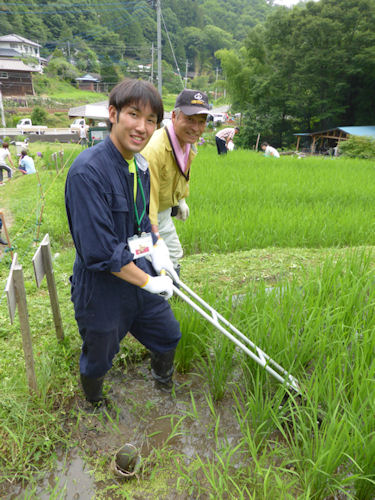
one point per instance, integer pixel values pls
(283, 248)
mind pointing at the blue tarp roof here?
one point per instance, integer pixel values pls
(364, 130)
(368, 130)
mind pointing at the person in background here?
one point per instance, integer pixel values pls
(26, 163)
(115, 288)
(170, 153)
(83, 135)
(223, 137)
(269, 150)
(4, 157)
(2, 242)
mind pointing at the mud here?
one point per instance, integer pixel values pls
(141, 415)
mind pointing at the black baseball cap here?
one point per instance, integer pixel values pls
(192, 102)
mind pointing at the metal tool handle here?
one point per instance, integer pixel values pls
(250, 349)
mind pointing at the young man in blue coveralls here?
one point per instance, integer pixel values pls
(115, 288)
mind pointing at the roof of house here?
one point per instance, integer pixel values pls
(9, 53)
(15, 65)
(363, 130)
(17, 38)
(88, 78)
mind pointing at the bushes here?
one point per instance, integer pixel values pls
(358, 147)
(38, 116)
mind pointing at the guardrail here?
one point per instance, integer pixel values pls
(15, 131)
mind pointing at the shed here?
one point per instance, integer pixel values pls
(325, 139)
(15, 77)
(88, 82)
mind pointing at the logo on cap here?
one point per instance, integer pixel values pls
(198, 96)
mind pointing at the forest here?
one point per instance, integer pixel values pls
(306, 68)
(91, 32)
(287, 70)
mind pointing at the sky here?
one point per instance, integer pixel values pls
(287, 3)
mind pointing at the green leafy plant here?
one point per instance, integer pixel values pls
(358, 147)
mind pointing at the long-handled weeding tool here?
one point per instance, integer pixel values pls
(225, 327)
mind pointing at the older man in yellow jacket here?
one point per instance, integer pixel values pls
(169, 154)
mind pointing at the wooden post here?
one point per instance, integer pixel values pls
(16, 294)
(298, 139)
(6, 232)
(42, 262)
(313, 145)
(257, 144)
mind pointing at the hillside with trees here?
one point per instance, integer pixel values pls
(111, 38)
(307, 68)
(310, 67)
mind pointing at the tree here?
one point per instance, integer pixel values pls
(310, 67)
(39, 116)
(59, 66)
(108, 72)
(195, 39)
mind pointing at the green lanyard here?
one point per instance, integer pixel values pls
(138, 218)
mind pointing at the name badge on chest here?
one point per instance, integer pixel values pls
(140, 246)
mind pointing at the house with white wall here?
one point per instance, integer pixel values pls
(17, 46)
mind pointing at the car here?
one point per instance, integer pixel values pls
(218, 118)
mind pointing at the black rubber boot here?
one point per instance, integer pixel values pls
(3, 242)
(93, 389)
(162, 369)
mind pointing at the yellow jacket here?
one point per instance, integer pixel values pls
(168, 184)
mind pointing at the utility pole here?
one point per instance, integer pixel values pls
(158, 22)
(186, 72)
(69, 51)
(217, 72)
(152, 63)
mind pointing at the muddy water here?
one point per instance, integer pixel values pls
(143, 416)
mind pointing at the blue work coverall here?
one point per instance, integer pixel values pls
(99, 198)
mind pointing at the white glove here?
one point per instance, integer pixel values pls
(160, 259)
(163, 285)
(183, 210)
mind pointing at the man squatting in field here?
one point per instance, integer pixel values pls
(115, 289)
(169, 154)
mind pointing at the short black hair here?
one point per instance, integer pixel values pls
(264, 144)
(131, 91)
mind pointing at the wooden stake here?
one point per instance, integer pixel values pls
(257, 144)
(47, 261)
(42, 262)
(25, 327)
